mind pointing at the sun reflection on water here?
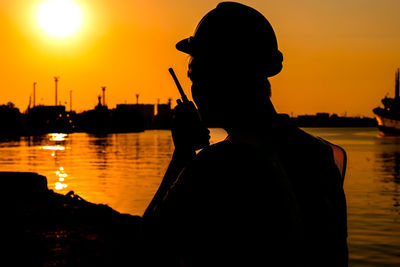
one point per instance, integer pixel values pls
(60, 185)
(57, 137)
(58, 147)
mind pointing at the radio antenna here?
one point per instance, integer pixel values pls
(184, 97)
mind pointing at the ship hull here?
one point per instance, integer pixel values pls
(387, 126)
(388, 118)
(388, 131)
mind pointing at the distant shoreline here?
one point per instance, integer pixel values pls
(125, 118)
(327, 120)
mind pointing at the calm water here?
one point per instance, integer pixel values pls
(124, 171)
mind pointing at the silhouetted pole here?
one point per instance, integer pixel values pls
(34, 94)
(137, 99)
(70, 100)
(396, 88)
(56, 81)
(104, 95)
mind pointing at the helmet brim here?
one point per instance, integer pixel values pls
(185, 46)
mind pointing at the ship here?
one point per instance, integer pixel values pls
(388, 117)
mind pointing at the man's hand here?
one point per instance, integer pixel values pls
(188, 132)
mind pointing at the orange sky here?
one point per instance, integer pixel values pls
(339, 56)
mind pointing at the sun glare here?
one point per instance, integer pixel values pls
(60, 18)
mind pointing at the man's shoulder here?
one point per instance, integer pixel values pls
(224, 149)
(215, 152)
(219, 147)
(287, 132)
(303, 141)
(304, 150)
(229, 158)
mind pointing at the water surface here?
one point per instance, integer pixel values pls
(372, 187)
(124, 171)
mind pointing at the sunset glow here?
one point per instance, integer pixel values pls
(339, 56)
(60, 18)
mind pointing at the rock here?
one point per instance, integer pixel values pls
(51, 229)
(23, 185)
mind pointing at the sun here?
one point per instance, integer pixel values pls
(60, 18)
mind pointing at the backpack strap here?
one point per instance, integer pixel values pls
(340, 157)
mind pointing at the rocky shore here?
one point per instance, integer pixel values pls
(44, 228)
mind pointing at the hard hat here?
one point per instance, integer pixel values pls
(237, 32)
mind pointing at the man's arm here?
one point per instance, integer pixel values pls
(189, 135)
(179, 160)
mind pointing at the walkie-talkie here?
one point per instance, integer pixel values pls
(183, 96)
(189, 118)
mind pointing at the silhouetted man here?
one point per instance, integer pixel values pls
(268, 195)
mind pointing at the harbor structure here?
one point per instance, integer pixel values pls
(388, 117)
(56, 89)
(162, 119)
(34, 94)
